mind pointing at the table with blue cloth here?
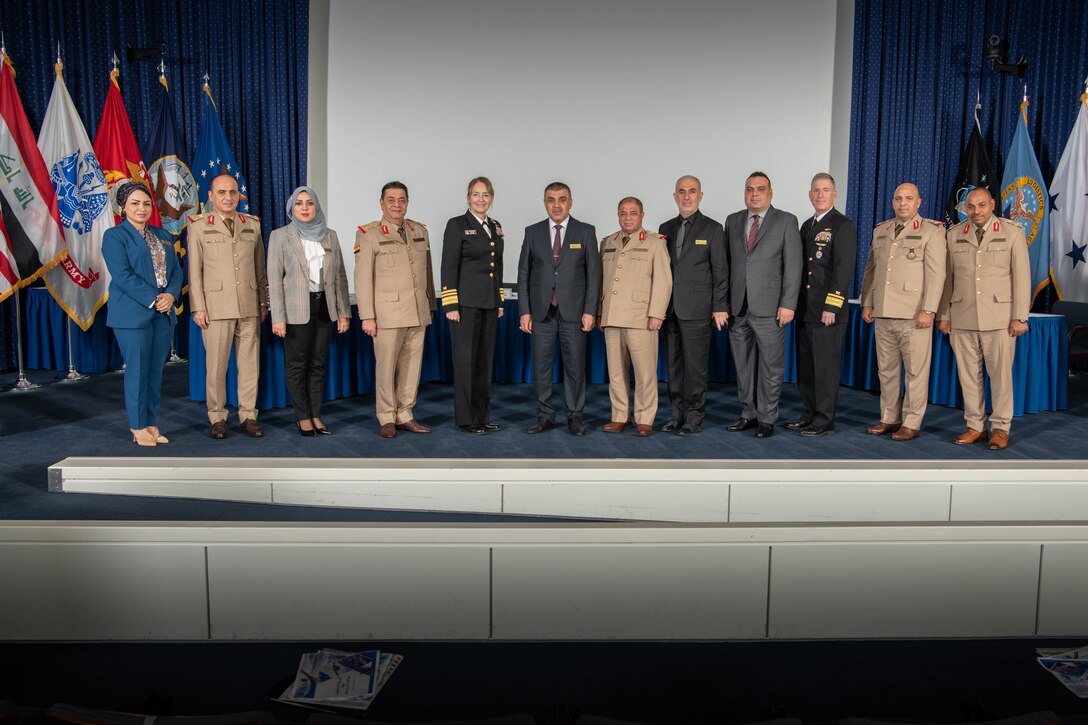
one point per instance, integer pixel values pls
(1040, 368)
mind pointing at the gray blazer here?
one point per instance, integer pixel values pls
(289, 277)
(770, 276)
(577, 278)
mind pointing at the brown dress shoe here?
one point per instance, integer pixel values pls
(414, 426)
(881, 428)
(999, 440)
(644, 430)
(969, 436)
(615, 426)
(905, 434)
(388, 430)
(251, 429)
(219, 430)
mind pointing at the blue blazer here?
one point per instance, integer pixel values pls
(133, 288)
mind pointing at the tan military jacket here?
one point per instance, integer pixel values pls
(227, 277)
(905, 276)
(636, 279)
(988, 284)
(393, 280)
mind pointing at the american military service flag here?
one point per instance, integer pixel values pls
(214, 157)
(115, 146)
(30, 228)
(976, 170)
(1069, 214)
(175, 188)
(1024, 199)
(80, 283)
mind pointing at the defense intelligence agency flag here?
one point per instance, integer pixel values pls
(175, 187)
(214, 157)
(1069, 214)
(1024, 199)
(29, 221)
(976, 170)
(80, 283)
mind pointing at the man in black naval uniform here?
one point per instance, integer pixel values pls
(700, 290)
(830, 250)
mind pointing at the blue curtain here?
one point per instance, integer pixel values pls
(255, 53)
(917, 69)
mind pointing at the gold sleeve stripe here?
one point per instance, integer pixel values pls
(502, 294)
(834, 300)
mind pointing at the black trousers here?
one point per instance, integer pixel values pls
(572, 344)
(473, 343)
(819, 369)
(305, 355)
(687, 355)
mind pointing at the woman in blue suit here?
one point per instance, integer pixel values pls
(145, 281)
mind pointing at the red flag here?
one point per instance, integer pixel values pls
(116, 148)
(30, 229)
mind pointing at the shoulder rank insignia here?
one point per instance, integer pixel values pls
(917, 225)
(385, 229)
(967, 227)
(997, 226)
(641, 236)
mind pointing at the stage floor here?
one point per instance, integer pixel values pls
(42, 427)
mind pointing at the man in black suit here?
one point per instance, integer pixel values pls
(559, 283)
(764, 248)
(700, 279)
(830, 249)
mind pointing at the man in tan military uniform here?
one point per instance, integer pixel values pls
(985, 304)
(394, 291)
(901, 290)
(635, 291)
(228, 296)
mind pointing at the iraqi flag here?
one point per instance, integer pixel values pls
(975, 170)
(214, 157)
(175, 188)
(1069, 214)
(115, 146)
(1024, 200)
(80, 283)
(30, 229)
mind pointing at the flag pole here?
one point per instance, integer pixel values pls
(22, 384)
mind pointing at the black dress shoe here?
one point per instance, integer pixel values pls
(490, 427)
(671, 427)
(541, 425)
(577, 427)
(312, 433)
(322, 431)
(764, 430)
(817, 430)
(798, 424)
(742, 424)
(690, 429)
(477, 430)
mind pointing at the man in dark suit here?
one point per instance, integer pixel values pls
(700, 279)
(764, 248)
(559, 282)
(830, 243)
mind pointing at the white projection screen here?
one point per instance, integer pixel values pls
(614, 97)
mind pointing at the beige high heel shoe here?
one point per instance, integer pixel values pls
(159, 437)
(141, 437)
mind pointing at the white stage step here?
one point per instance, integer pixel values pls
(723, 491)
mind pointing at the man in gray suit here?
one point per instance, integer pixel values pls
(559, 282)
(764, 278)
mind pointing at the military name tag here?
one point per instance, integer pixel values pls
(641, 249)
(608, 251)
(387, 242)
(914, 236)
(470, 232)
(419, 239)
(700, 242)
(576, 246)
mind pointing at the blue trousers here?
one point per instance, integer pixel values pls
(145, 350)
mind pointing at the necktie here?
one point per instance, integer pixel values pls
(681, 232)
(487, 227)
(753, 232)
(626, 238)
(229, 222)
(555, 258)
(898, 228)
(979, 231)
(403, 234)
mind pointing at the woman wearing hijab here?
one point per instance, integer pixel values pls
(472, 299)
(145, 280)
(307, 289)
